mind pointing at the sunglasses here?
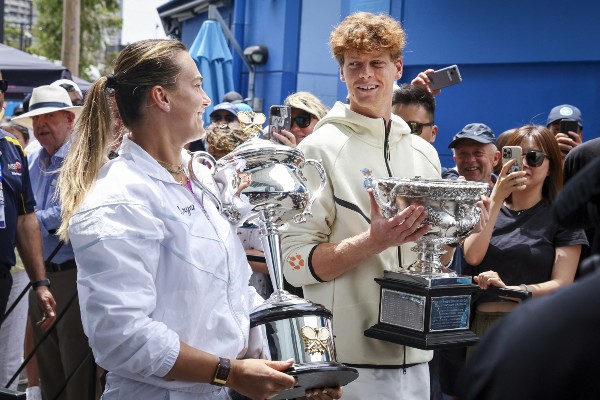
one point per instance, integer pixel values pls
(302, 120)
(416, 128)
(225, 118)
(535, 158)
(3, 85)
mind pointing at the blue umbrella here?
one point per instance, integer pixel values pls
(214, 60)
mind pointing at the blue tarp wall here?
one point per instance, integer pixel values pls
(518, 59)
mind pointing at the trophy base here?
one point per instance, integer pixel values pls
(317, 375)
(425, 312)
(421, 340)
(299, 329)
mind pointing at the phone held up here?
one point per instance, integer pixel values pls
(568, 125)
(513, 153)
(445, 77)
(280, 117)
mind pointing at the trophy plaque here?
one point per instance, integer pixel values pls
(427, 306)
(294, 327)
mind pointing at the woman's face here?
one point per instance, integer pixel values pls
(188, 100)
(535, 175)
(298, 131)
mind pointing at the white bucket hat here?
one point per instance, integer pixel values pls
(44, 100)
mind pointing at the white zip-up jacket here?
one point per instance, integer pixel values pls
(156, 265)
(351, 148)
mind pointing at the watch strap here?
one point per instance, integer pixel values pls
(222, 372)
(43, 282)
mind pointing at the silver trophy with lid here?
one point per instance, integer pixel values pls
(426, 305)
(273, 183)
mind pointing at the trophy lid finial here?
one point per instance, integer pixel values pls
(251, 122)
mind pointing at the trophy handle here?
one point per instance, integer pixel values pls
(199, 156)
(299, 218)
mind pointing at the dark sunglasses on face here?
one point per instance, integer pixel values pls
(302, 120)
(535, 158)
(3, 85)
(416, 128)
(225, 118)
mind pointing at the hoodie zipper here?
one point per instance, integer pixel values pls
(387, 158)
(386, 146)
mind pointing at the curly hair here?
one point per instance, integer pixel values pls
(367, 32)
(224, 137)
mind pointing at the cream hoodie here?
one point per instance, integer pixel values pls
(351, 149)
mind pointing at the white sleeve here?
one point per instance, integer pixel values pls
(117, 263)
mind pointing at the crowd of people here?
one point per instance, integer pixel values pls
(140, 288)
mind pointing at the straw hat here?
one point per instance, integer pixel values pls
(44, 100)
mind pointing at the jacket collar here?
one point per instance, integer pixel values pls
(370, 129)
(132, 151)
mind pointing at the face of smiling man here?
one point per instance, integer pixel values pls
(370, 80)
(475, 161)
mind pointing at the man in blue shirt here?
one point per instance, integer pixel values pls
(52, 117)
(18, 225)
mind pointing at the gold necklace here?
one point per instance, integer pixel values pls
(172, 168)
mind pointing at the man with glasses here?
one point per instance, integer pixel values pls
(73, 89)
(416, 106)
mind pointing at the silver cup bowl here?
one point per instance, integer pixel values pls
(451, 210)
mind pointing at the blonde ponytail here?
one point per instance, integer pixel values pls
(89, 149)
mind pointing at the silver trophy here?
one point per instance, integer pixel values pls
(425, 305)
(274, 186)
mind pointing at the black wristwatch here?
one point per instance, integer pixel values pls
(222, 372)
(37, 284)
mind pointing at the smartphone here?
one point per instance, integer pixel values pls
(280, 117)
(513, 153)
(445, 77)
(568, 125)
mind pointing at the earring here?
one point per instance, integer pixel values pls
(168, 108)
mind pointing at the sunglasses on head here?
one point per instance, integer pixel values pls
(416, 128)
(535, 158)
(228, 118)
(3, 85)
(302, 120)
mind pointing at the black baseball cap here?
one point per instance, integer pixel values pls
(477, 131)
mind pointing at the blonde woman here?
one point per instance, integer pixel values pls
(162, 277)
(307, 110)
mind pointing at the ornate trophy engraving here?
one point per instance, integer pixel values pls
(295, 328)
(427, 306)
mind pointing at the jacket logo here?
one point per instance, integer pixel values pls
(296, 262)
(186, 210)
(368, 182)
(15, 168)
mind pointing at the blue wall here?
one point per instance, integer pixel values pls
(517, 59)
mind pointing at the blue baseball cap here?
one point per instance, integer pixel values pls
(565, 111)
(477, 131)
(225, 106)
(243, 107)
